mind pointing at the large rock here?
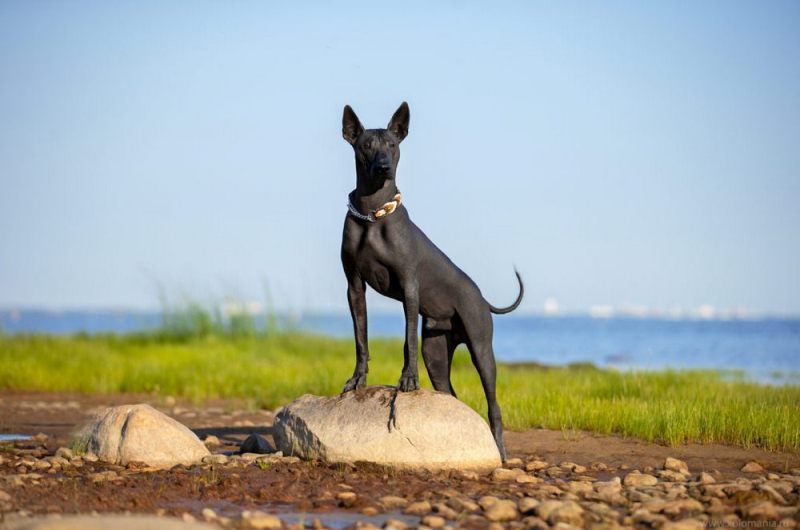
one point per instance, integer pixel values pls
(140, 433)
(431, 430)
(104, 522)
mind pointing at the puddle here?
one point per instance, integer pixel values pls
(337, 520)
(14, 437)
(340, 520)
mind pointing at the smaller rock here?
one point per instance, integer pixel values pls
(258, 520)
(671, 476)
(392, 502)
(524, 478)
(705, 478)
(527, 505)
(762, 510)
(445, 511)
(682, 506)
(256, 444)
(555, 512)
(104, 476)
(503, 510)
(469, 475)
(418, 508)
(752, 467)
(513, 462)
(434, 521)
(369, 511)
(211, 441)
(673, 464)
(65, 452)
(347, 498)
(215, 459)
(636, 479)
(536, 465)
(394, 524)
(573, 467)
(502, 474)
(487, 501)
(208, 514)
(684, 524)
(772, 493)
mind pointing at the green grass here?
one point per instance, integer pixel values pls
(274, 368)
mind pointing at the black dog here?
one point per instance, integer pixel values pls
(382, 247)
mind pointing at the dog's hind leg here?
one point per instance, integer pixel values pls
(437, 353)
(480, 348)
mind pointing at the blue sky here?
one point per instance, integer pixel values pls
(641, 153)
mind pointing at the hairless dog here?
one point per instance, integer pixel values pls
(383, 248)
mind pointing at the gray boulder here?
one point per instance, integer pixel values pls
(140, 433)
(431, 430)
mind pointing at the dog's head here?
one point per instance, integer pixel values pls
(377, 150)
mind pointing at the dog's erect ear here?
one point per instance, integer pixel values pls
(398, 125)
(351, 127)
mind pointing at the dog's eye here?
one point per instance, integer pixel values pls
(392, 145)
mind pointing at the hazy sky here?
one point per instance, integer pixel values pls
(642, 152)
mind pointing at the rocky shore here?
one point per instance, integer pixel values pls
(41, 477)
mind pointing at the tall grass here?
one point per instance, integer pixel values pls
(272, 368)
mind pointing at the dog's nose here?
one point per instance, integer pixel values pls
(383, 168)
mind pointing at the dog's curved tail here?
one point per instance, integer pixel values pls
(504, 310)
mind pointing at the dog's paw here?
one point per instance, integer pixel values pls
(357, 381)
(408, 383)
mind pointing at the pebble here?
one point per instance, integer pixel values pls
(513, 462)
(256, 443)
(346, 498)
(104, 476)
(65, 452)
(752, 467)
(761, 510)
(418, 508)
(706, 478)
(434, 521)
(259, 520)
(502, 510)
(392, 502)
(212, 441)
(215, 459)
(487, 501)
(671, 476)
(682, 506)
(445, 511)
(527, 505)
(636, 479)
(394, 524)
(555, 512)
(536, 465)
(684, 524)
(506, 475)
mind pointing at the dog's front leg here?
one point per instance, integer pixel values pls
(409, 379)
(356, 298)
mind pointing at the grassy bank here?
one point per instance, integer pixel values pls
(271, 370)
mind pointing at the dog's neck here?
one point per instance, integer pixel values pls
(367, 200)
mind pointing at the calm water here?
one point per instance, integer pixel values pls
(765, 350)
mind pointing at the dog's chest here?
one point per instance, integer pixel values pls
(375, 259)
